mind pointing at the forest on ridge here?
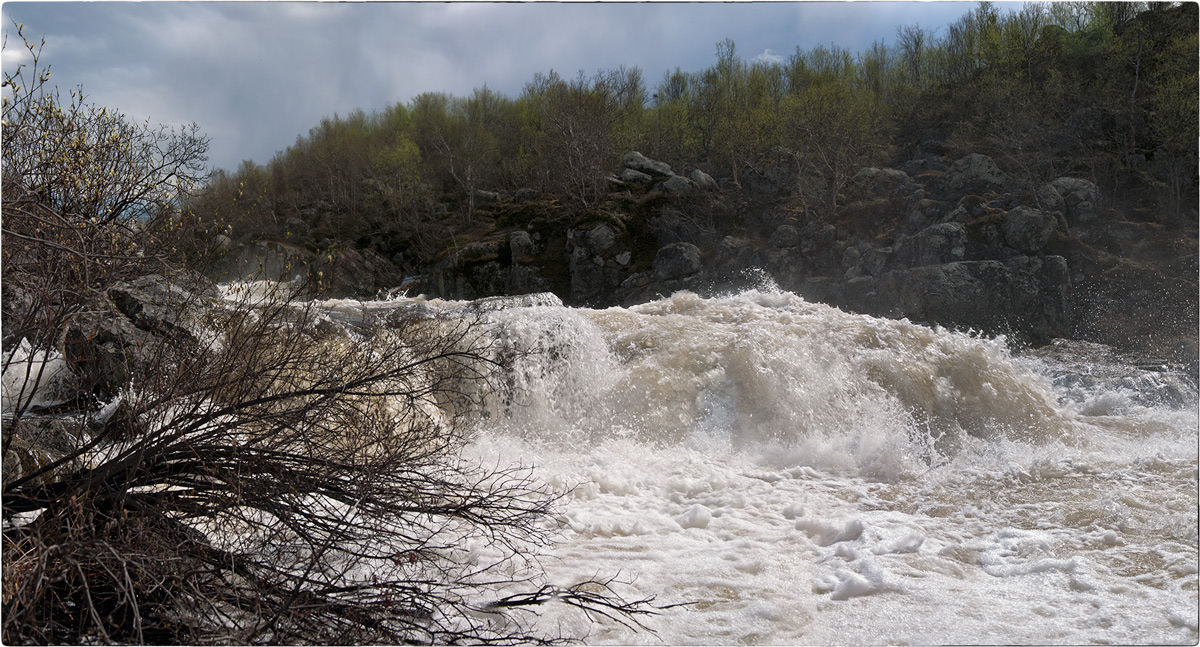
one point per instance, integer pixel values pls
(1102, 91)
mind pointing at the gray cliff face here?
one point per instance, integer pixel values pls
(956, 243)
(967, 249)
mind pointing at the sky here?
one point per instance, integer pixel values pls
(256, 75)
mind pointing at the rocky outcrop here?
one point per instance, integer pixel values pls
(1023, 294)
(676, 261)
(946, 241)
(597, 262)
(102, 343)
(635, 161)
(974, 173)
(115, 337)
(1028, 230)
(703, 181)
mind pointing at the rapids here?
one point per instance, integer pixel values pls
(791, 473)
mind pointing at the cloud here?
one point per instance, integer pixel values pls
(255, 75)
(769, 56)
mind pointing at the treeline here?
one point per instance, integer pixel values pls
(1103, 91)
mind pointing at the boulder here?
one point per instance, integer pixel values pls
(1080, 198)
(359, 273)
(733, 252)
(632, 176)
(263, 260)
(520, 244)
(156, 305)
(677, 186)
(23, 458)
(653, 168)
(676, 261)
(1028, 230)
(937, 244)
(1049, 199)
(785, 236)
(878, 182)
(36, 379)
(703, 180)
(1022, 294)
(672, 226)
(600, 238)
(485, 197)
(769, 174)
(974, 173)
(106, 343)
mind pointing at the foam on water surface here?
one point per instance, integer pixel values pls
(793, 474)
(797, 474)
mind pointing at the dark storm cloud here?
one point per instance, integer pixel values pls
(254, 76)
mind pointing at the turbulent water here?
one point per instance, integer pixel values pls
(790, 473)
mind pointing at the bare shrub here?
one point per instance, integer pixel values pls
(290, 480)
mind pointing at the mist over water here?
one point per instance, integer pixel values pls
(792, 473)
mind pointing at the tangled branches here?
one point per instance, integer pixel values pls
(289, 479)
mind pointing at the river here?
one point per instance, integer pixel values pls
(789, 473)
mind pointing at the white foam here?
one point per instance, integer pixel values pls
(797, 474)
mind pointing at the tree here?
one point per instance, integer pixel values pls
(833, 131)
(581, 125)
(83, 190)
(671, 133)
(461, 135)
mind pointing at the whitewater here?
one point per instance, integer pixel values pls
(788, 473)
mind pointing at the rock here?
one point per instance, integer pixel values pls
(924, 211)
(263, 260)
(594, 265)
(634, 177)
(222, 243)
(677, 185)
(1023, 294)
(703, 180)
(876, 260)
(1080, 198)
(296, 229)
(359, 273)
(139, 325)
(600, 238)
(974, 173)
(676, 261)
(785, 236)
(852, 262)
(520, 244)
(770, 174)
(23, 458)
(672, 226)
(101, 345)
(733, 254)
(786, 265)
(485, 197)
(1028, 230)
(1076, 190)
(878, 183)
(155, 305)
(934, 245)
(1049, 199)
(859, 295)
(61, 435)
(653, 168)
(525, 195)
